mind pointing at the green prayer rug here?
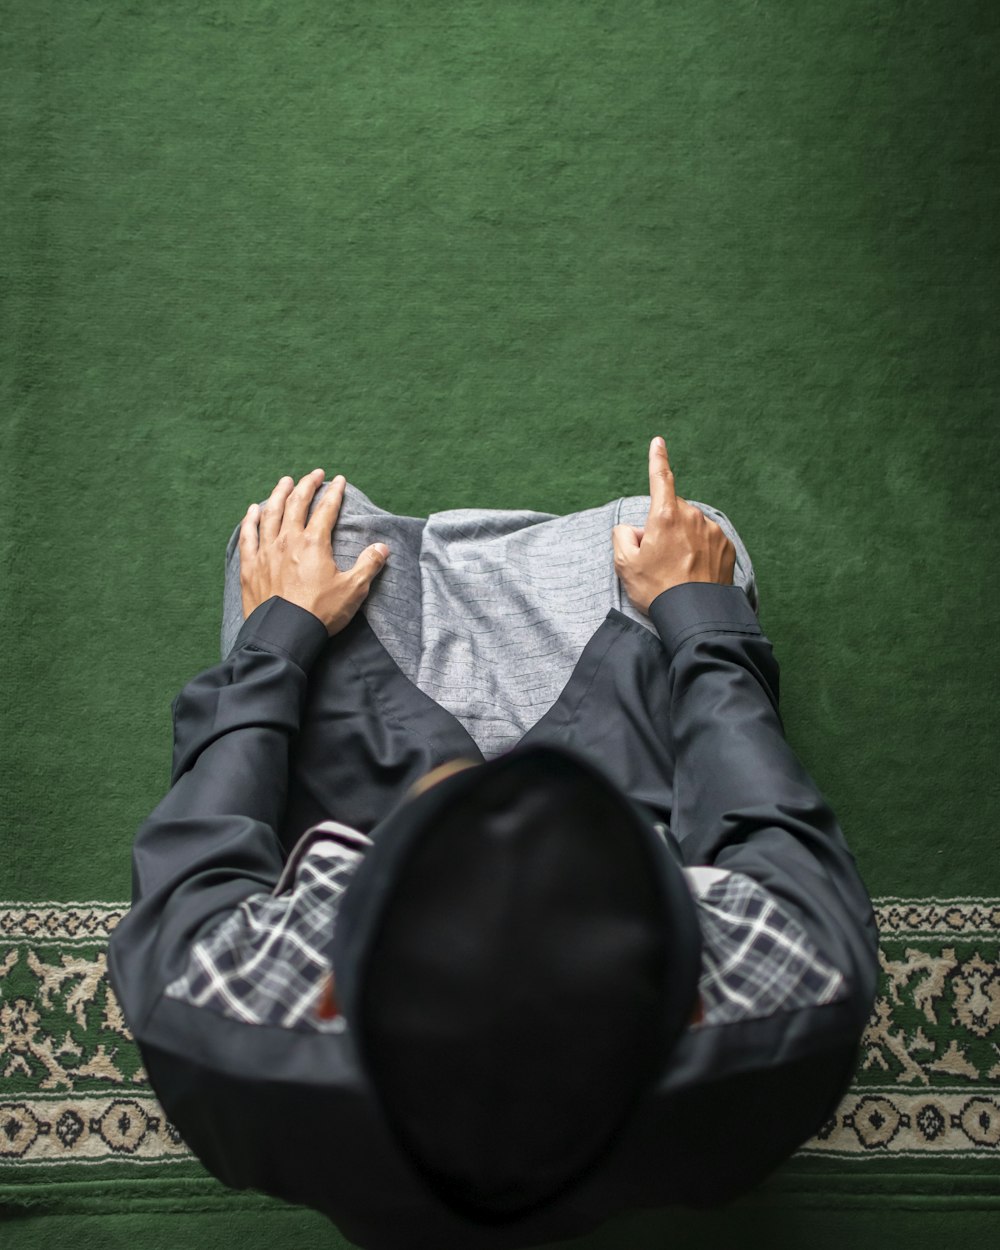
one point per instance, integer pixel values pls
(475, 256)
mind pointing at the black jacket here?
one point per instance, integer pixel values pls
(294, 727)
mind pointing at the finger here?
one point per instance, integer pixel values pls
(328, 509)
(298, 501)
(274, 511)
(249, 541)
(624, 539)
(661, 480)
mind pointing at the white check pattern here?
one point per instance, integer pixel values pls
(267, 961)
(755, 958)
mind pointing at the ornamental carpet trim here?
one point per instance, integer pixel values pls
(927, 1084)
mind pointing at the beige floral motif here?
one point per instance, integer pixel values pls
(935, 967)
(880, 1037)
(977, 995)
(91, 974)
(18, 1025)
(922, 978)
(114, 1017)
(23, 1035)
(954, 1063)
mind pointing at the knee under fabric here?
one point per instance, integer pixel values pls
(515, 957)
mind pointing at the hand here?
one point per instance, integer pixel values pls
(290, 558)
(678, 543)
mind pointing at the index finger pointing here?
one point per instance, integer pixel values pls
(661, 477)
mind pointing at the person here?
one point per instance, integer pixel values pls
(626, 963)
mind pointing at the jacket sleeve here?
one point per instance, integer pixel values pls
(212, 840)
(742, 799)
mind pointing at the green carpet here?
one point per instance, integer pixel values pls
(476, 255)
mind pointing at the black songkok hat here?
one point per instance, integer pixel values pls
(515, 956)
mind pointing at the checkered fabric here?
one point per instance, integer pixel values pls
(267, 961)
(755, 958)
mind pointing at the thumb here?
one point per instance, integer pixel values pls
(374, 557)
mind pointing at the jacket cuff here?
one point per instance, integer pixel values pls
(701, 608)
(285, 628)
